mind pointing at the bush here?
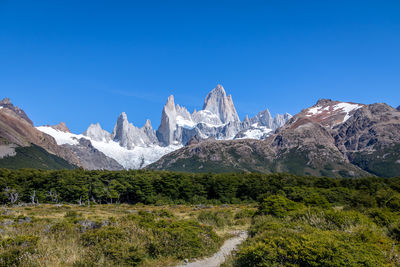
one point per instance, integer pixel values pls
(382, 217)
(245, 213)
(275, 242)
(14, 249)
(102, 235)
(316, 200)
(183, 239)
(277, 205)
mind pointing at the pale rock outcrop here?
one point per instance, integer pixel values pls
(165, 132)
(129, 136)
(95, 132)
(280, 120)
(221, 105)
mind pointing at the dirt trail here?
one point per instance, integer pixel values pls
(218, 258)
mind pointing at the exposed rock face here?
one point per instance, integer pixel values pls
(165, 132)
(92, 159)
(331, 138)
(369, 127)
(263, 118)
(221, 105)
(61, 127)
(18, 130)
(330, 113)
(7, 150)
(95, 132)
(129, 136)
(371, 139)
(280, 120)
(6, 103)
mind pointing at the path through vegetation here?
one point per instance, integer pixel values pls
(218, 258)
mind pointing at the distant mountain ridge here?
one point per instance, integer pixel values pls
(331, 138)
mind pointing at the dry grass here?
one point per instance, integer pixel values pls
(63, 247)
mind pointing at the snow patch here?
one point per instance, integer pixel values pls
(340, 107)
(256, 133)
(62, 137)
(348, 108)
(185, 123)
(135, 158)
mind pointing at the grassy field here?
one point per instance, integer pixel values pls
(115, 235)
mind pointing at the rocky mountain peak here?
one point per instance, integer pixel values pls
(221, 105)
(121, 129)
(330, 113)
(398, 108)
(95, 132)
(170, 103)
(5, 101)
(324, 101)
(61, 127)
(168, 122)
(123, 117)
(148, 124)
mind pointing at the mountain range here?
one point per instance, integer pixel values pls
(131, 147)
(331, 138)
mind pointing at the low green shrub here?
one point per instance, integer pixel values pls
(277, 205)
(15, 249)
(275, 242)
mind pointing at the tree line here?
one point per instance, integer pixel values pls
(165, 187)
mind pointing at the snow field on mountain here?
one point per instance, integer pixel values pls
(342, 107)
(256, 133)
(346, 107)
(135, 158)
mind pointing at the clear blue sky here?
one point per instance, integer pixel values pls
(87, 61)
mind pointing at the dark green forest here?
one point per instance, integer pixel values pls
(164, 187)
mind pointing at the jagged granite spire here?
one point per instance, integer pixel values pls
(121, 131)
(280, 120)
(263, 118)
(221, 105)
(129, 136)
(165, 132)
